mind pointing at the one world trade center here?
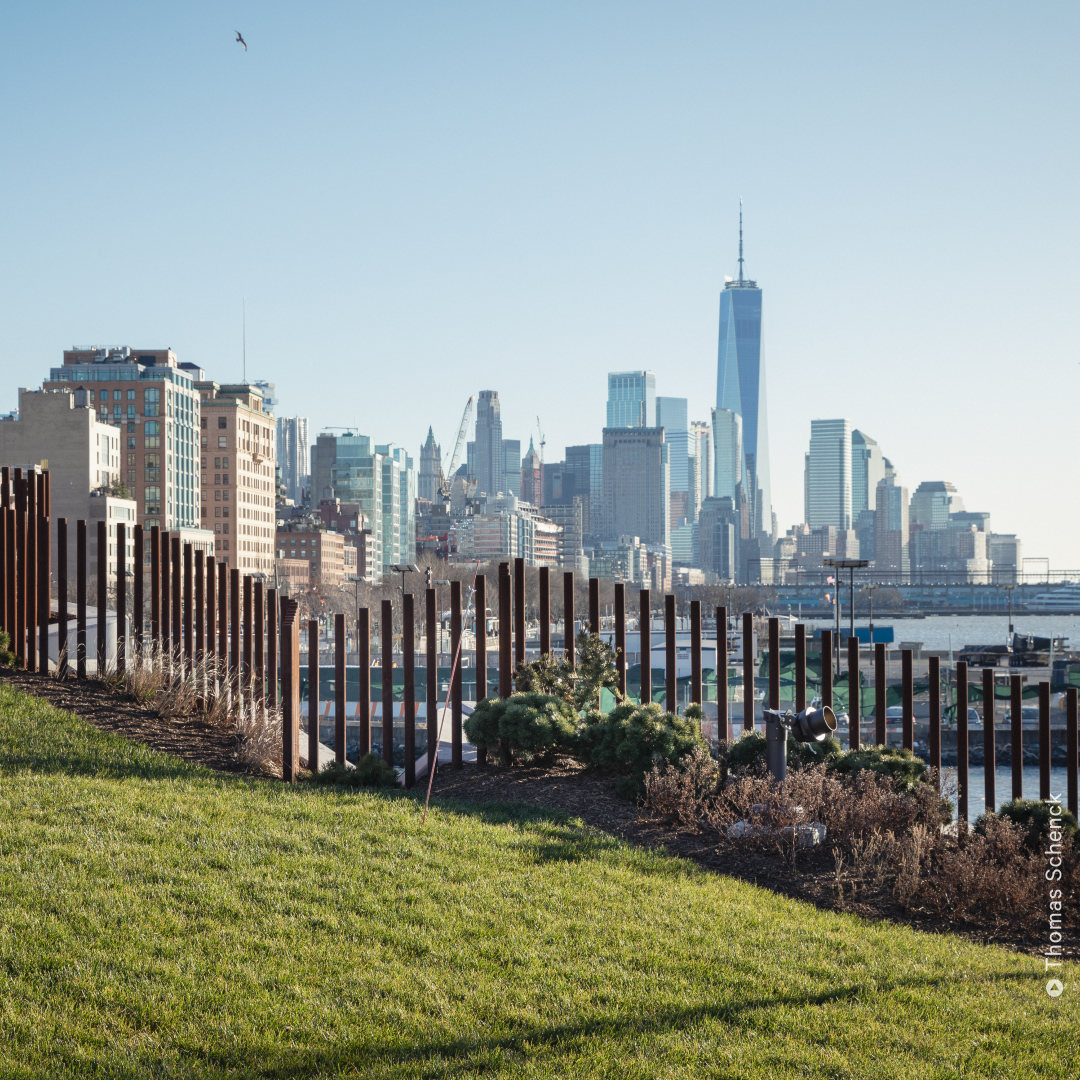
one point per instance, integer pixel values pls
(741, 429)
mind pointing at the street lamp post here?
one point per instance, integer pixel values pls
(870, 589)
(1010, 589)
(850, 565)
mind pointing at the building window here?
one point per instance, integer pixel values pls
(131, 412)
(225, 528)
(222, 422)
(131, 442)
(152, 463)
(202, 422)
(152, 434)
(152, 500)
(222, 441)
(131, 395)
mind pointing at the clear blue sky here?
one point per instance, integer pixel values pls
(423, 200)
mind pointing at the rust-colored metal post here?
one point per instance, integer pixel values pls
(290, 711)
(545, 611)
(962, 740)
(1016, 724)
(20, 573)
(272, 646)
(568, 614)
(10, 586)
(432, 678)
(30, 578)
(519, 613)
(189, 609)
(408, 663)
(223, 625)
(138, 603)
(121, 598)
(645, 644)
(386, 625)
(749, 664)
(506, 685)
(102, 596)
(340, 687)
(723, 717)
(671, 680)
(3, 567)
(774, 663)
(935, 716)
(63, 620)
(44, 562)
(260, 641)
(907, 699)
(314, 694)
(235, 678)
(248, 654)
(1044, 740)
(881, 696)
(854, 695)
(800, 667)
(620, 635)
(455, 681)
(989, 742)
(166, 642)
(210, 637)
(480, 633)
(80, 598)
(155, 587)
(1071, 737)
(826, 668)
(363, 659)
(198, 612)
(175, 570)
(695, 651)
(594, 605)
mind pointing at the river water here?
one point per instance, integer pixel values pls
(1003, 783)
(956, 631)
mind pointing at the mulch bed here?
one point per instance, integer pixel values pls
(591, 797)
(568, 786)
(110, 710)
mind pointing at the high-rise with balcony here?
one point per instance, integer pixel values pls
(631, 400)
(239, 465)
(150, 397)
(740, 389)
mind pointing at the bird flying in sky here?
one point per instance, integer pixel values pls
(240, 38)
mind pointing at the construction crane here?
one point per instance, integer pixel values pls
(543, 441)
(448, 476)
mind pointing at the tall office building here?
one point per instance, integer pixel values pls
(730, 476)
(891, 535)
(933, 503)
(631, 400)
(867, 469)
(699, 465)
(827, 479)
(585, 463)
(671, 415)
(512, 466)
(292, 456)
(150, 398)
(532, 483)
(427, 483)
(636, 474)
(740, 388)
(489, 464)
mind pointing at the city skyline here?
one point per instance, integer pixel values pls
(385, 212)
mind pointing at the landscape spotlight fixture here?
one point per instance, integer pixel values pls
(808, 726)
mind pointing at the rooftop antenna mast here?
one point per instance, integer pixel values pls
(245, 298)
(740, 241)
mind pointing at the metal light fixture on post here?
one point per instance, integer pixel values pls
(870, 590)
(808, 726)
(850, 565)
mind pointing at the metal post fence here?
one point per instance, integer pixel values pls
(176, 601)
(519, 614)
(313, 695)
(80, 598)
(800, 667)
(189, 609)
(645, 645)
(455, 679)
(594, 605)
(290, 665)
(210, 638)
(749, 665)
(30, 572)
(962, 740)
(121, 598)
(989, 747)
(386, 625)
(1071, 735)
(102, 596)
(432, 675)
(907, 698)
(272, 646)
(198, 613)
(44, 562)
(1016, 724)
(505, 683)
(881, 698)
(774, 663)
(480, 634)
(340, 688)
(155, 587)
(620, 635)
(1044, 740)
(826, 668)
(363, 650)
(137, 597)
(723, 719)
(695, 652)
(260, 641)
(235, 691)
(671, 682)
(224, 674)
(408, 660)
(248, 650)
(62, 658)
(568, 615)
(935, 716)
(545, 611)
(854, 695)
(165, 580)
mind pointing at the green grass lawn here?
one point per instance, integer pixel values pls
(160, 920)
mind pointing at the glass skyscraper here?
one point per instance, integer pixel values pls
(740, 388)
(631, 399)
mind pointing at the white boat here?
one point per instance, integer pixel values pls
(1063, 599)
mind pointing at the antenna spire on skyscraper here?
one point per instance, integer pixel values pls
(740, 241)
